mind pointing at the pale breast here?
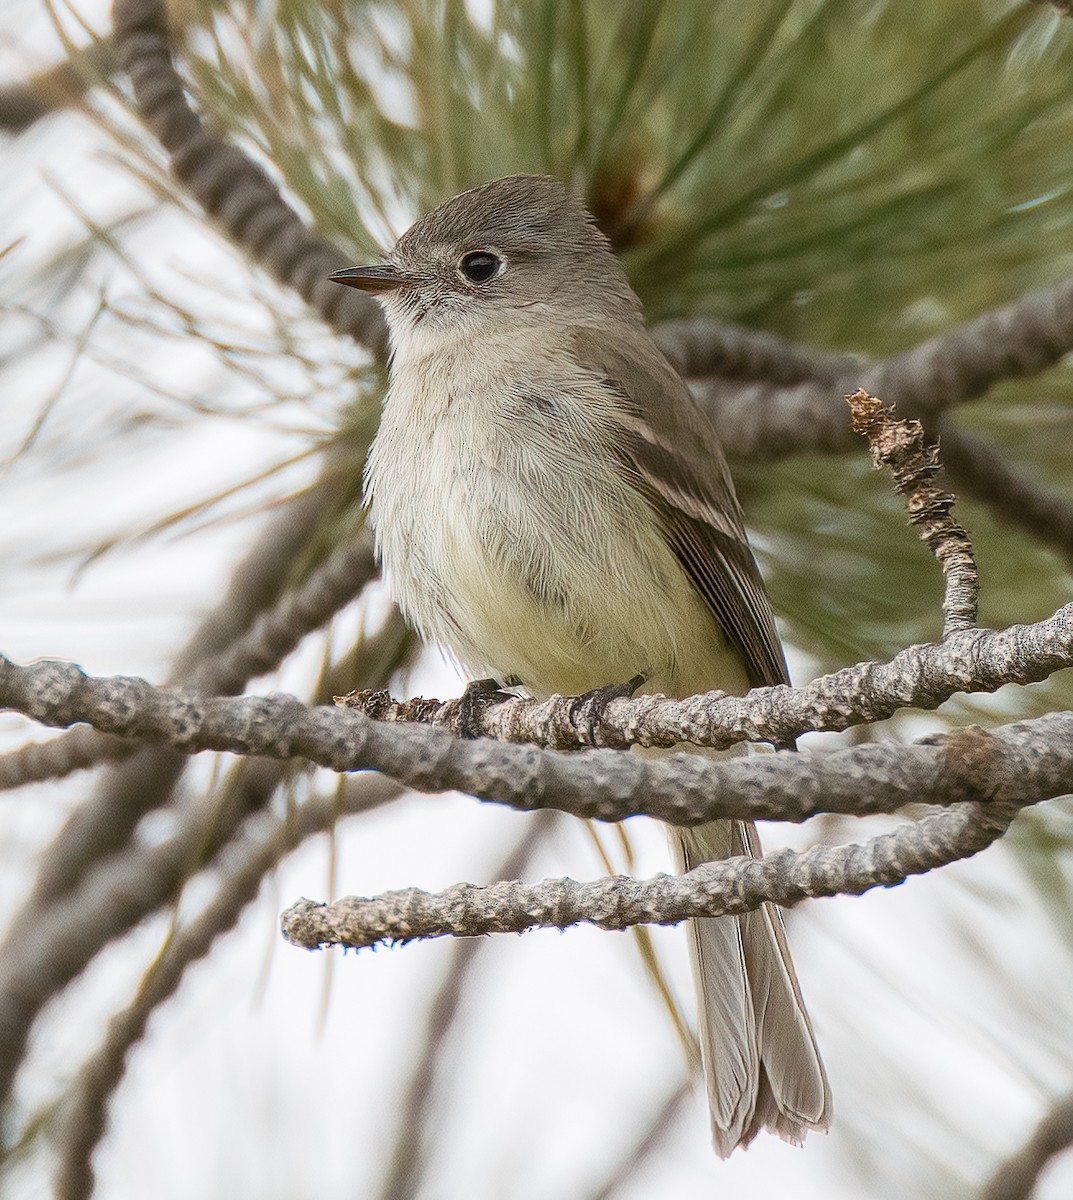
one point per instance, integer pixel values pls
(509, 534)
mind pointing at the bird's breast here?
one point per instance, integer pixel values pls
(510, 533)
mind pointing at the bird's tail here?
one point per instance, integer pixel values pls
(761, 1064)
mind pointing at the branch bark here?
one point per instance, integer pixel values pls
(978, 660)
(732, 886)
(765, 420)
(52, 940)
(1022, 762)
(900, 445)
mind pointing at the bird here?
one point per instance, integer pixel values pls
(551, 503)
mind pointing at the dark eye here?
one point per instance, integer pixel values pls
(479, 266)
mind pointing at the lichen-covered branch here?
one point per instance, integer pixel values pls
(1025, 761)
(53, 940)
(900, 446)
(976, 660)
(734, 885)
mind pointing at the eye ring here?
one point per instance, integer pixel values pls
(480, 266)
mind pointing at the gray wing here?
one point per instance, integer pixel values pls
(671, 453)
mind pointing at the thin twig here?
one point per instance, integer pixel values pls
(731, 886)
(900, 446)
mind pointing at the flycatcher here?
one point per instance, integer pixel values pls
(552, 504)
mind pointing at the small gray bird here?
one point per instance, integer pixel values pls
(552, 504)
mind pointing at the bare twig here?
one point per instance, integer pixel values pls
(242, 872)
(900, 446)
(1017, 1177)
(734, 885)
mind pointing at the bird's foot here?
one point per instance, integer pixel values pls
(587, 711)
(479, 695)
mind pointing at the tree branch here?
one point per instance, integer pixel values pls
(702, 346)
(1023, 762)
(977, 660)
(900, 446)
(51, 941)
(767, 421)
(230, 186)
(731, 886)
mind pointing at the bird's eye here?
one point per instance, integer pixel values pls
(480, 266)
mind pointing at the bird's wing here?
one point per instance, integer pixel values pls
(671, 453)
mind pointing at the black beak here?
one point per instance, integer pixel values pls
(384, 278)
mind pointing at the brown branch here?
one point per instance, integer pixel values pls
(978, 660)
(900, 446)
(734, 885)
(85, 1107)
(763, 420)
(1017, 1177)
(702, 346)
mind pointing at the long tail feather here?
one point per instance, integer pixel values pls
(761, 1063)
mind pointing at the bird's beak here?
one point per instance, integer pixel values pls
(385, 278)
